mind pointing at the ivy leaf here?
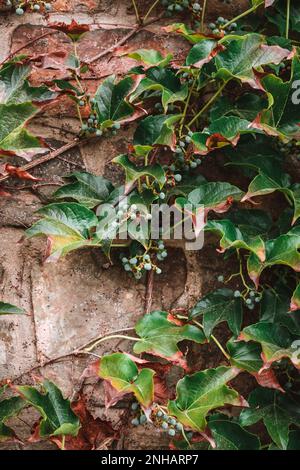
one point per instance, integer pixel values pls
(214, 196)
(157, 130)
(220, 133)
(9, 309)
(134, 173)
(165, 81)
(187, 33)
(282, 117)
(251, 222)
(247, 357)
(125, 377)
(67, 227)
(8, 408)
(278, 412)
(245, 107)
(244, 56)
(160, 335)
(57, 415)
(217, 307)
(264, 184)
(276, 342)
(283, 250)
(87, 189)
(232, 237)
(202, 52)
(14, 138)
(151, 57)
(229, 435)
(15, 89)
(110, 100)
(202, 392)
(274, 308)
(294, 440)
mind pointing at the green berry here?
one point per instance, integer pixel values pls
(172, 432)
(220, 278)
(143, 419)
(158, 271)
(162, 196)
(148, 266)
(237, 294)
(19, 11)
(164, 425)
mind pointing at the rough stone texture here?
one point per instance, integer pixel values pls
(78, 299)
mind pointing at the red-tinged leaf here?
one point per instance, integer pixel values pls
(93, 432)
(295, 300)
(267, 378)
(72, 28)
(269, 3)
(19, 173)
(190, 35)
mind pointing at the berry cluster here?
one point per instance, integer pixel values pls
(168, 423)
(178, 6)
(141, 418)
(22, 6)
(139, 263)
(251, 298)
(219, 25)
(92, 126)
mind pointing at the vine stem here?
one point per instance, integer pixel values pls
(208, 104)
(106, 338)
(203, 14)
(150, 10)
(186, 107)
(149, 291)
(245, 13)
(288, 14)
(63, 442)
(215, 340)
(136, 11)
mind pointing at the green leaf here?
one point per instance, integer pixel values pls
(9, 408)
(278, 412)
(245, 107)
(166, 82)
(282, 117)
(187, 33)
(229, 435)
(214, 196)
(245, 356)
(274, 308)
(14, 138)
(203, 52)
(87, 189)
(244, 55)
(202, 392)
(14, 87)
(134, 173)
(151, 57)
(160, 336)
(220, 133)
(110, 100)
(9, 309)
(294, 440)
(276, 342)
(251, 222)
(157, 130)
(264, 184)
(125, 377)
(57, 415)
(67, 226)
(283, 250)
(232, 237)
(217, 307)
